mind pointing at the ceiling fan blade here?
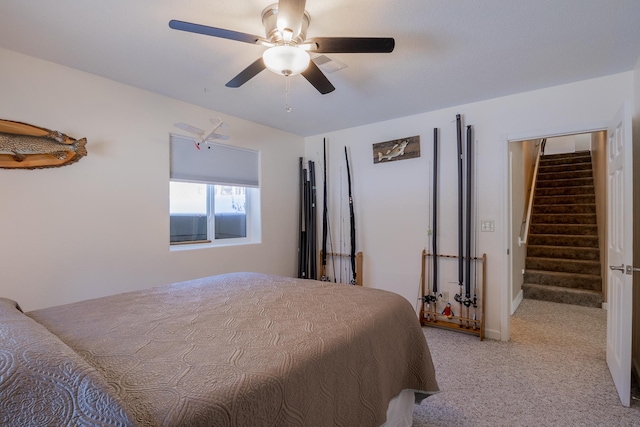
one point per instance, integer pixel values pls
(216, 32)
(290, 15)
(247, 74)
(317, 78)
(352, 44)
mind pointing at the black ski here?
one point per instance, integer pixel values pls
(434, 231)
(307, 257)
(432, 295)
(352, 221)
(312, 227)
(467, 289)
(302, 241)
(323, 276)
(460, 205)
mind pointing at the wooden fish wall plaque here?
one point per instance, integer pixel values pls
(24, 146)
(398, 149)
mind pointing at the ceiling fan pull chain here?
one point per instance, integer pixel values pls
(287, 89)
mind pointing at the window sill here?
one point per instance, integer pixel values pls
(207, 244)
(192, 242)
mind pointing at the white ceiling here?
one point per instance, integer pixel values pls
(448, 52)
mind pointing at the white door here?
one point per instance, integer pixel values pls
(620, 253)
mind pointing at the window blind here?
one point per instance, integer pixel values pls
(219, 164)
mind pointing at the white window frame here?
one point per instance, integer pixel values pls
(252, 215)
(211, 218)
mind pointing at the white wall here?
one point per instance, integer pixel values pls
(523, 159)
(560, 144)
(392, 199)
(583, 142)
(101, 226)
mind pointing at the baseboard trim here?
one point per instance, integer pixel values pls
(492, 334)
(516, 301)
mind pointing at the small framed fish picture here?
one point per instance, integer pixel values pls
(397, 149)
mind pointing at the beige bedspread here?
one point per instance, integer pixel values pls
(246, 349)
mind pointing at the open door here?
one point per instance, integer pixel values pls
(620, 251)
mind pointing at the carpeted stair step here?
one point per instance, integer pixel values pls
(571, 229)
(571, 182)
(563, 265)
(581, 297)
(563, 240)
(566, 280)
(547, 161)
(563, 252)
(564, 191)
(564, 174)
(566, 168)
(577, 199)
(566, 158)
(565, 209)
(568, 154)
(589, 218)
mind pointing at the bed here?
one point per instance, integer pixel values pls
(241, 349)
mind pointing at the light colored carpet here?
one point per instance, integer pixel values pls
(553, 372)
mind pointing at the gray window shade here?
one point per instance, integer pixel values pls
(220, 164)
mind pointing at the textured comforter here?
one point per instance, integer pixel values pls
(241, 349)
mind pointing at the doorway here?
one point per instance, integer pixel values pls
(619, 154)
(588, 185)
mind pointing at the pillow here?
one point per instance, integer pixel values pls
(43, 382)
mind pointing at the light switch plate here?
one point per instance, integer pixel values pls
(487, 225)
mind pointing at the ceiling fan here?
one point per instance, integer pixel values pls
(286, 24)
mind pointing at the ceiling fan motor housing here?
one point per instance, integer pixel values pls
(270, 22)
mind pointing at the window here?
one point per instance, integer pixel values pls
(206, 212)
(209, 199)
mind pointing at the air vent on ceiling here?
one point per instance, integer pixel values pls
(327, 64)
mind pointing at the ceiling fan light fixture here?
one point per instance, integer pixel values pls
(286, 60)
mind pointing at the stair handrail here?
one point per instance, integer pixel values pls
(524, 229)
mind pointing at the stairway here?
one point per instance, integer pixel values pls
(563, 258)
